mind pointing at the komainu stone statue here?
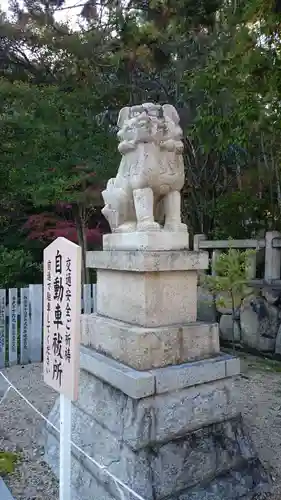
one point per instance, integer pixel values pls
(146, 189)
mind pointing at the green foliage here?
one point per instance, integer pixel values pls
(231, 275)
(45, 135)
(17, 268)
(55, 149)
(230, 280)
(218, 62)
(8, 461)
(239, 214)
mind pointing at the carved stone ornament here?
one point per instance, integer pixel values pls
(146, 189)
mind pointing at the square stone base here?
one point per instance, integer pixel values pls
(145, 348)
(160, 240)
(187, 444)
(141, 384)
(147, 288)
(148, 299)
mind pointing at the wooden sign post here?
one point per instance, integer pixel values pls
(62, 308)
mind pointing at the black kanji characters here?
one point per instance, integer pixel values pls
(57, 371)
(58, 262)
(58, 289)
(68, 311)
(67, 339)
(57, 345)
(58, 316)
(67, 354)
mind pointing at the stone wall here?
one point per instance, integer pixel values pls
(257, 322)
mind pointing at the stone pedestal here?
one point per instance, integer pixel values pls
(148, 288)
(156, 402)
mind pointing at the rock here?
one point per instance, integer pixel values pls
(273, 297)
(233, 485)
(201, 463)
(259, 322)
(205, 307)
(223, 303)
(225, 327)
(278, 342)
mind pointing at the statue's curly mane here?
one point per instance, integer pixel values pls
(150, 141)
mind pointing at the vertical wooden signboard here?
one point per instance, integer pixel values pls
(62, 309)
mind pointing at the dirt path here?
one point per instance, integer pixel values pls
(258, 392)
(20, 429)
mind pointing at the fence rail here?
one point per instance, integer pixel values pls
(270, 245)
(21, 322)
(21, 311)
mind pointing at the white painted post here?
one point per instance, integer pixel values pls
(13, 326)
(24, 326)
(36, 325)
(94, 292)
(272, 266)
(2, 328)
(62, 313)
(65, 448)
(87, 299)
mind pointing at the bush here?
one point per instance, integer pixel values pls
(18, 269)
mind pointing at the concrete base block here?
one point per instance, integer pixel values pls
(160, 240)
(184, 445)
(140, 384)
(141, 261)
(147, 299)
(147, 288)
(145, 348)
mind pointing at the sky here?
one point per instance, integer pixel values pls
(65, 15)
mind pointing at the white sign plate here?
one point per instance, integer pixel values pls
(62, 310)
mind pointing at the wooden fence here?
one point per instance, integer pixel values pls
(270, 246)
(21, 322)
(21, 311)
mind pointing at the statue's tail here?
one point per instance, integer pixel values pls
(116, 200)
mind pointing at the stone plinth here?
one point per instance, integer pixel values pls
(173, 433)
(148, 289)
(152, 241)
(156, 404)
(151, 347)
(148, 261)
(140, 384)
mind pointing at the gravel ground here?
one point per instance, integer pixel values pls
(20, 429)
(259, 392)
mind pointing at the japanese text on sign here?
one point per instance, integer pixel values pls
(62, 293)
(14, 324)
(2, 321)
(25, 322)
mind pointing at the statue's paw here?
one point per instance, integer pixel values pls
(127, 227)
(175, 228)
(148, 226)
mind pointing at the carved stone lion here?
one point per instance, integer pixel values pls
(146, 189)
